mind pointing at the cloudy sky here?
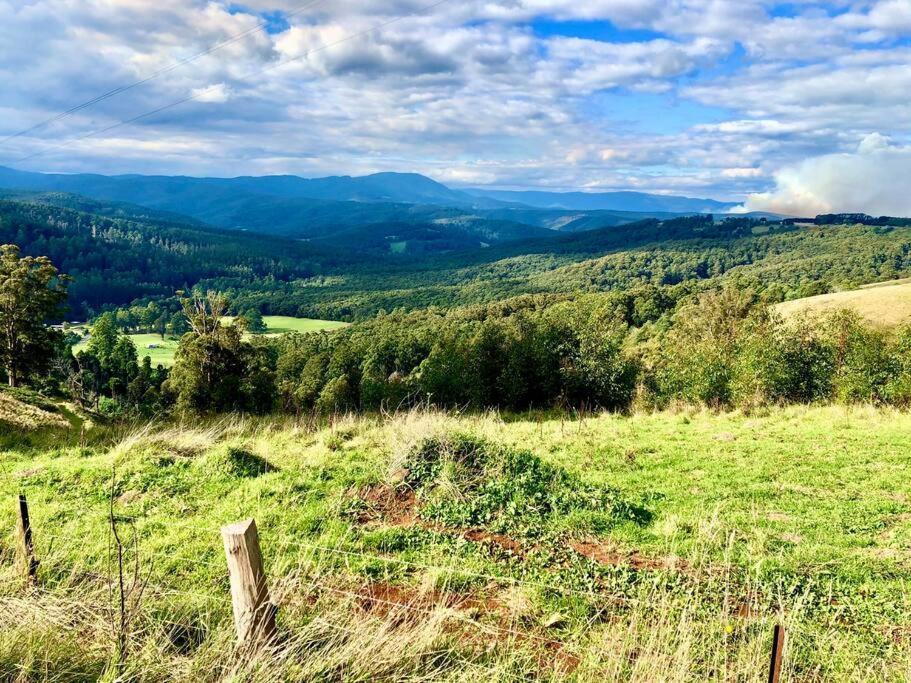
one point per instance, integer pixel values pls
(799, 107)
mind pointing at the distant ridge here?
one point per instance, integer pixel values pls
(155, 190)
(610, 201)
(313, 208)
(407, 188)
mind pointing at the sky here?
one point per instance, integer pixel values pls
(799, 107)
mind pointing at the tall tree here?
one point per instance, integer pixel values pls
(215, 370)
(32, 292)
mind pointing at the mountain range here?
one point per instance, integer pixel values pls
(609, 201)
(399, 206)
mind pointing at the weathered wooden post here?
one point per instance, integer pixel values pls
(26, 544)
(254, 614)
(777, 650)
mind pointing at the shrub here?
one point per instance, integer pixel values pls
(862, 363)
(234, 462)
(780, 363)
(898, 389)
(467, 482)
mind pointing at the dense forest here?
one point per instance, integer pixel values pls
(120, 254)
(114, 260)
(639, 314)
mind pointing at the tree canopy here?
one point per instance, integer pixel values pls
(32, 293)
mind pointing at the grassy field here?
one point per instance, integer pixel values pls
(887, 304)
(163, 353)
(425, 546)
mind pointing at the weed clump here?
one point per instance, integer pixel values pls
(234, 462)
(466, 482)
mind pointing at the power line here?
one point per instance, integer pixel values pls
(152, 76)
(201, 93)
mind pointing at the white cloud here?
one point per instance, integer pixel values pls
(743, 172)
(218, 93)
(886, 17)
(471, 92)
(872, 180)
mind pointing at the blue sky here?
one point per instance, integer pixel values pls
(749, 100)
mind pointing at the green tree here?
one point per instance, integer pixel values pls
(177, 325)
(697, 357)
(103, 339)
(32, 292)
(215, 370)
(252, 321)
(109, 363)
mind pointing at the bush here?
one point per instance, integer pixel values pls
(898, 389)
(781, 363)
(863, 365)
(697, 357)
(467, 482)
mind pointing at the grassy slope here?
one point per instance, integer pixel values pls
(887, 304)
(277, 325)
(283, 324)
(801, 514)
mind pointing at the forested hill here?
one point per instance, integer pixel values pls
(119, 253)
(121, 256)
(785, 262)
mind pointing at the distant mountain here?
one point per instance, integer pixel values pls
(405, 188)
(610, 201)
(320, 208)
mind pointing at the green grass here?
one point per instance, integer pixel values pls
(283, 324)
(649, 547)
(276, 325)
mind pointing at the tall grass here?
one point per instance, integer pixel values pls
(420, 604)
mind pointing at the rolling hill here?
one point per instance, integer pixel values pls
(887, 304)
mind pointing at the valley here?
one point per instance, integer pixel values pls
(161, 348)
(411, 342)
(535, 444)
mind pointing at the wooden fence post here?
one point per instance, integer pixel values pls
(777, 650)
(26, 545)
(254, 614)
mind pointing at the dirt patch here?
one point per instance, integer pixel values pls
(383, 503)
(558, 660)
(602, 553)
(399, 507)
(381, 598)
(500, 540)
(898, 634)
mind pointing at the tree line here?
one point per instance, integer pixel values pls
(646, 346)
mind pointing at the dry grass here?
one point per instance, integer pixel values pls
(334, 628)
(885, 304)
(21, 415)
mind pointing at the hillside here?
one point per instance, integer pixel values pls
(788, 260)
(115, 259)
(422, 546)
(118, 253)
(887, 304)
